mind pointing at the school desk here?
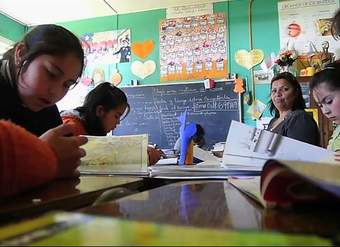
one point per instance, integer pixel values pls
(70, 194)
(216, 204)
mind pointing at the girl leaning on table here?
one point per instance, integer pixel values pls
(35, 74)
(103, 109)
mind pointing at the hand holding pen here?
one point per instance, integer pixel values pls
(154, 154)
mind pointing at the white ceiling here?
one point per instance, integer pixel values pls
(34, 12)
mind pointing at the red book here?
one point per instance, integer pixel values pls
(291, 183)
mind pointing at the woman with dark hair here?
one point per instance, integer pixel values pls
(287, 105)
(103, 109)
(35, 74)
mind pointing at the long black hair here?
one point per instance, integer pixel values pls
(47, 39)
(107, 96)
(299, 102)
(199, 135)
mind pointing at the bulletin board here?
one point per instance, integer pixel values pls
(193, 48)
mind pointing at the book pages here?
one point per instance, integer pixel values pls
(115, 154)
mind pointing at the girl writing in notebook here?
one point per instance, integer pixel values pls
(103, 109)
(35, 74)
(325, 86)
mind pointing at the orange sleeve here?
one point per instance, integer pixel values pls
(77, 125)
(25, 160)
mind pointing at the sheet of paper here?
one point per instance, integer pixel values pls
(167, 161)
(205, 155)
(249, 186)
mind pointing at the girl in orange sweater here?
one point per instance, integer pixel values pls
(27, 161)
(104, 107)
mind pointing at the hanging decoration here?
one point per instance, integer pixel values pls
(249, 59)
(116, 78)
(238, 86)
(143, 70)
(124, 50)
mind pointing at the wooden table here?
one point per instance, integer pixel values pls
(70, 194)
(216, 204)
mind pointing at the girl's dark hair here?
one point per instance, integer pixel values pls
(299, 102)
(106, 95)
(335, 29)
(329, 75)
(199, 136)
(47, 39)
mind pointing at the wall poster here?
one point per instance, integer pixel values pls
(305, 21)
(102, 51)
(193, 48)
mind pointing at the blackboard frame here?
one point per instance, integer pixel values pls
(165, 132)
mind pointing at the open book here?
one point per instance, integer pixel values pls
(127, 155)
(249, 148)
(286, 183)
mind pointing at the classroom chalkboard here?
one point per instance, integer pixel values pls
(155, 108)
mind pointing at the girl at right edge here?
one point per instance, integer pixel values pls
(325, 86)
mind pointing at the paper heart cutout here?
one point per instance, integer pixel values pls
(143, 70)
(142, 50)
(249, 59)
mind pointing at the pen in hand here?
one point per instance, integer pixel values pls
(161, 153)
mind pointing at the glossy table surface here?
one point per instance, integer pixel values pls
(68, 194)
(217, 204)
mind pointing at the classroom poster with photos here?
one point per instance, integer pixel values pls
(304, 21)
(193, 48)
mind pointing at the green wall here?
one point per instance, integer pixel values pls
(145, 25)
(11, 29)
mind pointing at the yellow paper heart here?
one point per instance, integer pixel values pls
(249, 59)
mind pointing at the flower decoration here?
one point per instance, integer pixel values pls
(286, 58)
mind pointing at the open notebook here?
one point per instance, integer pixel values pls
(248, 148)
(127, 155)
(106, 155)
